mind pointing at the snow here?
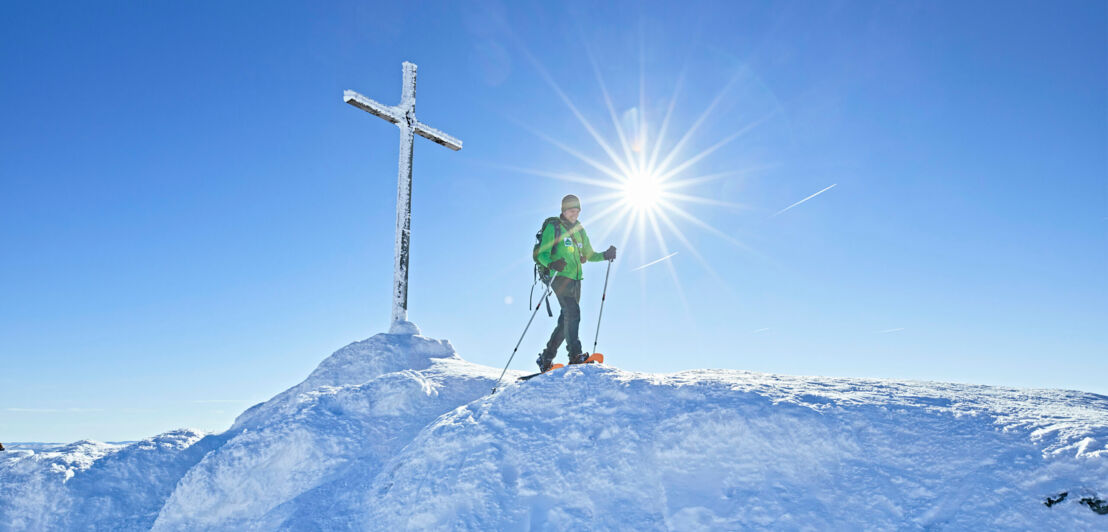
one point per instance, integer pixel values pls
(398, 432)
(95, 485)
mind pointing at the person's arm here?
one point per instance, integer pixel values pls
(586, 246)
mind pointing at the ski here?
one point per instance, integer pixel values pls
(595, 358)
(533, 375)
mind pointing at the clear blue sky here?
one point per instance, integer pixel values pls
(192, 219)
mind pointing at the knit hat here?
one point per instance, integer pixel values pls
(570, 202)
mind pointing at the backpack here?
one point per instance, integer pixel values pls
(542, 272)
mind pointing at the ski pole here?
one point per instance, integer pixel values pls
(602, 298)
(536, 311)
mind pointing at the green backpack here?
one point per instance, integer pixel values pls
(542, 272)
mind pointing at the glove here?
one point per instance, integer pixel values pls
(610, 253)
(558, 265)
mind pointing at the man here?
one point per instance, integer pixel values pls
(571, 250)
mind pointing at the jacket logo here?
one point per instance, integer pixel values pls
(568, 242)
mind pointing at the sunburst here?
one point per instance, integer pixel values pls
(647, 175)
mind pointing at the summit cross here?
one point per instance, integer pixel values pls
(403, 116)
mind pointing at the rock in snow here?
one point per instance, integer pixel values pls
(399, 433)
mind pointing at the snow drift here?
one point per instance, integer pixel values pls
(399, 433)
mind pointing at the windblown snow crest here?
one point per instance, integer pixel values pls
(399, 433)
(355, 364)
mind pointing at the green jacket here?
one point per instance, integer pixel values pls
(575, 248)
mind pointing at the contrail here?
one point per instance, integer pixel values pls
(886, 331)
(805, 199)
(654, 262)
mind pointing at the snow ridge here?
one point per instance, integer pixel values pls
(356, 363)
(96, 486)
(399, 433)
(729, 450)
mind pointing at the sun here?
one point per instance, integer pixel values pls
(647, 177)
(642, 191)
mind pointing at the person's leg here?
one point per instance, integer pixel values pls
(555, 341)
(570, 299)
(556, 337)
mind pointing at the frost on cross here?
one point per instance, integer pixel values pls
(403, 116)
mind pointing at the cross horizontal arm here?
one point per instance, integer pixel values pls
(437, 136)
(388, 112)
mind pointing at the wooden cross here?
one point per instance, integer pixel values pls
(403, 116)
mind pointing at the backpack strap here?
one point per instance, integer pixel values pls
(577, 243)
(557, 234)
(531, 295)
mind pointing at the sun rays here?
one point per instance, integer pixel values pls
(646, 174)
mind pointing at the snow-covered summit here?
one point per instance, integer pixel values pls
(357, 363)
(397, 432)
(601, 448)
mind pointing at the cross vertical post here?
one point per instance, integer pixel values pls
(403, 116)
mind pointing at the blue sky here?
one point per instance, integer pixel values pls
(192, 219)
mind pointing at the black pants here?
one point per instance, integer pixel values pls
(568, 292)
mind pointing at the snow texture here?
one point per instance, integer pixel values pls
(399, 433)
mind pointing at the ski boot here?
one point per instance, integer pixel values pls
(545, 364)
(585, 358)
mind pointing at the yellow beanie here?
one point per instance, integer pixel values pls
(570, 202)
